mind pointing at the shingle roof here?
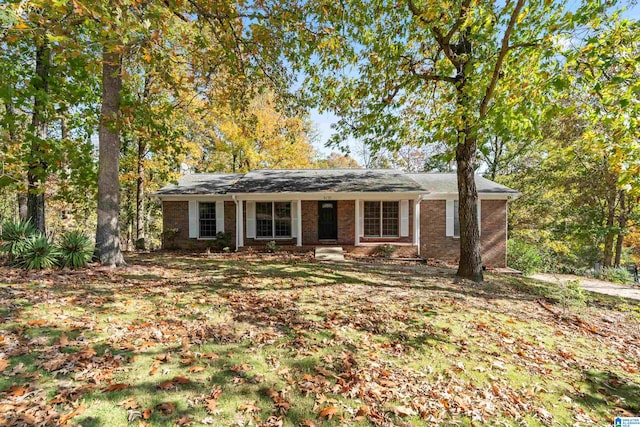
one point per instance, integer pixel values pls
(448, 183)
(326, 180)
(202, 183)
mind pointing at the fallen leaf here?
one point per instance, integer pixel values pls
(195, 369)
(3, 365)
(115, 387)
(63, 341)
(65, 418)
(210, 356)
(212, 406)
(181, 380)
(186, 420)
(403, 411)
(146, 414)
(16, 390)
(129, 403)
(166, 385)
(166, 408)
(249, 407)
(307, 423)
(328, 412)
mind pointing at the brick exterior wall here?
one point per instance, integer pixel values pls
(175, 215)
(494, 233)
(310, 222)
(433, 240)
(435, 244)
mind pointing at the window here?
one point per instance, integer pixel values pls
(273, 219)
(282, 219)
(372, 218)
(381, 219)
(207, 219)
(456, 219)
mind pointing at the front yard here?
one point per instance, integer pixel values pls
(252, 340)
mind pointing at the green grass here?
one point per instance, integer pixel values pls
(382, 344)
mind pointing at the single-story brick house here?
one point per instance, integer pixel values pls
(358, 209)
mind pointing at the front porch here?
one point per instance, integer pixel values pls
(334, 221)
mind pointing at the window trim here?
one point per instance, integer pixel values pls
(215, 221)
(273, 221)
(456, 214)
(381, 219)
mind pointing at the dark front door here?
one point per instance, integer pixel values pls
(327, 220)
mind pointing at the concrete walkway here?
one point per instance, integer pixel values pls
(593, 285)
(333, 253)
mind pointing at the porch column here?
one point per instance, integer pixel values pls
(299, 224)
(239, 224)
(357, 222)
(416, 220)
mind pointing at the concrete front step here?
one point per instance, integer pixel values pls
(329, 253)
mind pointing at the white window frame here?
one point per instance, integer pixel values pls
(215, 221)
(382, 236)
(273, 220)
(456, 214)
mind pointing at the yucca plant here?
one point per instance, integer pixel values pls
(75, 249)
(14, 237)
(37, 253)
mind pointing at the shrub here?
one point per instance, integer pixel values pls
(272, 247)
(571, 294)
(169, 238)
(75, 249)
(37, 253)
(385, 250)
(223, 241)
(523, 256)
(14, 237)
(616, 275)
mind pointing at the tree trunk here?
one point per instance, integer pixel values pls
(36, 170)
(140, 208)
(470, 266)
(21, 197)
(622, 228)
(108, 230)
(23, 212)
(610, 234)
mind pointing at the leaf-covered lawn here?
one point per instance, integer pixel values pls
(270, 341)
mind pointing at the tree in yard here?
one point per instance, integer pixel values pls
(606, 76)
(108, 229)
(337, 160)
(430, 71)
(41, 61)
